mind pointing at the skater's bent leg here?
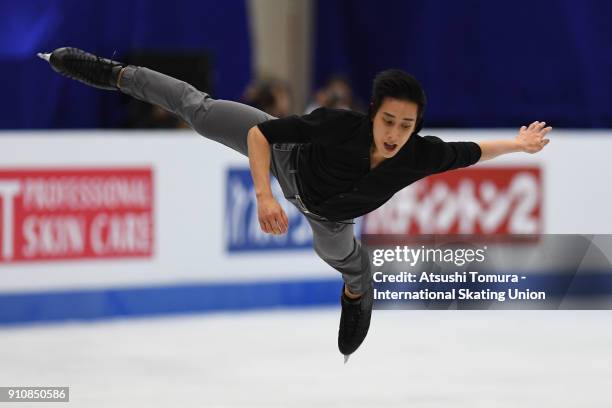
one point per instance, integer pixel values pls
(336, 244)
(223, 121)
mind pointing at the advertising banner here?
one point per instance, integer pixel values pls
(489, 200)
(242, 228)
(75, 213)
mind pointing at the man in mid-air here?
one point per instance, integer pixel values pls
(333, 165)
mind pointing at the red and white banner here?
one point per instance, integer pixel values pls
(485, 200)
(75, 213)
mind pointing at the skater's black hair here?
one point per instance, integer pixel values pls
(398, 84)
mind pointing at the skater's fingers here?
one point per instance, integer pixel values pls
(276, 229)
(280, 226)
(272, 221)
(544, 131)
(272, 217)
(266, 227)
(279, 220)
(285, 221)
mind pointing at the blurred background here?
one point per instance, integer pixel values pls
(483, 64)
(132, 267)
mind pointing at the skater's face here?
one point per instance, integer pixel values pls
(392, 126)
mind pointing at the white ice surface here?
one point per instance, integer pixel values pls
(289, 359)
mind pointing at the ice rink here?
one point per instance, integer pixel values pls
(289, 359)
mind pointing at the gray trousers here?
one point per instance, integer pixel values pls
(228, 123)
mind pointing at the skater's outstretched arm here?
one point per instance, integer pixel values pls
(440, 156)
(272, 218)
(530, 139)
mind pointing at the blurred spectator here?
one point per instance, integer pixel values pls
(272, 96)
(337, 93)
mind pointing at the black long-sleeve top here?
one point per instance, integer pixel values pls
(334, 161)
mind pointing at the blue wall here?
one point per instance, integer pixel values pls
(482, 63)
(36, 97)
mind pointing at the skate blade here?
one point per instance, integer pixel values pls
(45, 56)
(346, 358)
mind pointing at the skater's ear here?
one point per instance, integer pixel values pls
(418, 127)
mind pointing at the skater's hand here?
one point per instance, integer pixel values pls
(532, 139)
(272, 217)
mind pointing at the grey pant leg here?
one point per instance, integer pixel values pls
(336, 244)
(225, 122)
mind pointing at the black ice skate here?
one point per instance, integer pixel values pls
(85, 67)
(354, 322)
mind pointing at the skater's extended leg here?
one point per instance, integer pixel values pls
(226, 122)
(223, 121)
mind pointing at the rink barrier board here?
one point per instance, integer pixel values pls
(144, 301)
(227, 297)
(191, 226)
